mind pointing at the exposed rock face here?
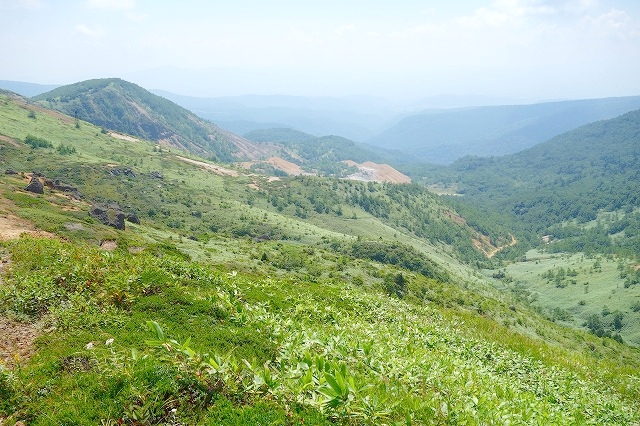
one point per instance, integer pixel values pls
(123, 172)
(156, 175)
(110, 215)
(10, 172)
(59, 186)
(35, 186)
(133, 218)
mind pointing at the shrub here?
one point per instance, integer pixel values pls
(36, 142)
(65, 150)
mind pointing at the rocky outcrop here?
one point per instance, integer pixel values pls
(67, 189)
(109, 214)
(133, 218)
(35, 186)
(123, 172)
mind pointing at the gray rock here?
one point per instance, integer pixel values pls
(110, 215)
(123, 172)
(35, 186)
(59, 186)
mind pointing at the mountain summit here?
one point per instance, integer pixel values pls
(119, 105)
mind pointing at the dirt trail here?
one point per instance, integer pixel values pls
(499, 249)
(9, 140)
(16, 338)
(123, 137)
(208, 166)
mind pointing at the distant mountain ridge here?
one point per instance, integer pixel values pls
(355, 118)
(442, 136)
(26, 89)
(119, 105)
(571, 178)
(323, 153)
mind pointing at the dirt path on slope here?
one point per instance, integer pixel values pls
(16, 338)
(208, 166)
(499, 249)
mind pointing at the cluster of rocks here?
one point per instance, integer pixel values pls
(36, 185)
(125, 171)
(70, 190)
(122, 172)
(112, 215)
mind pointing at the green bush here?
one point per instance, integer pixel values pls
(36, 142)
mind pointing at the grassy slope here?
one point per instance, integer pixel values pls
(119, 105)
(443, 355)
(593, 290)
(582, 189)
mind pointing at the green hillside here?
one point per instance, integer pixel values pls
(563, 183)
(442, 136)
(115, 104)
(240, 299)
(322, 153)
(575, 200)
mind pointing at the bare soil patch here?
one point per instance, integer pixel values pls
(279, 163)
(123, 137)
(11, 227)
(16, 341)
(286, 166)
(211, 167)
(10, 141)
(108, 245)
(484, 245)
(374, 172)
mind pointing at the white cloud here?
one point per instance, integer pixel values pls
(136, 17)
(613, 20)
(111, 4)
(351, 28)
(579, 7)
(94, 32)
(505, 13)
(615, 23)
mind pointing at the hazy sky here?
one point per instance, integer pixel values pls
(528, 49)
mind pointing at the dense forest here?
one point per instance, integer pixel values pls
(559, 186)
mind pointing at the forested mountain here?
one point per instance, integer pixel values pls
(568, 179)
(115, 104)
(321, 152)
(442, 136)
